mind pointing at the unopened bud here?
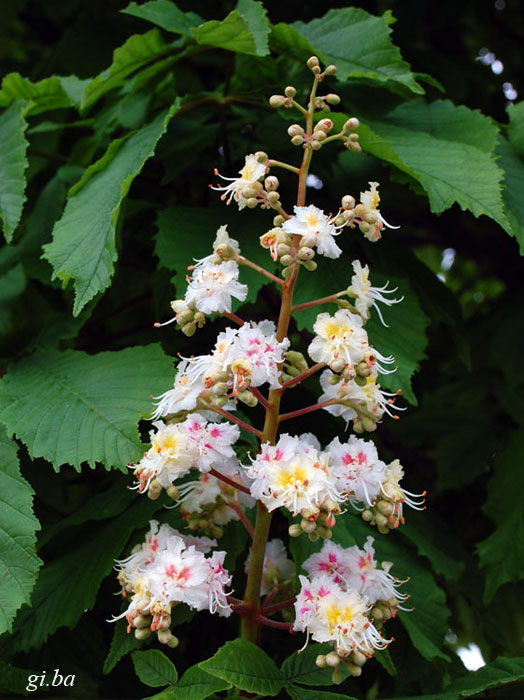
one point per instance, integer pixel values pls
(189, 329)
(377, 614)
(306, 253)
(278, 220)
(310, 265)
(286, 272)
(185, 317)
(271, 183)
(332, 659)
(319, 135)
(313, 536)
(172, 492)
(312, 62)
(273, 197)
(297, 140)
(295, 130)
(178, 305)
(320, 661)
(292, 371)
(248, 398)
(290, 91)
(330, 70)
(358, 428)
(354, 670)
(251, 203)
(277, 101)
(261, 156)
(325, 532)
(173, 642)
(220, 388)
(308, 525)
(365, 227)
(142, 621)
(295, 530)
(381, 519)
(340, 220)
(360, 380)
(298, 360)
(333, 379)
(283, 249)
(332, 99)
(367, 515)
(369, 424)
(316, 145)
(385, 507)
(351, 124)
(220, 401)
(325, 125)
(348, 202)
(358, 658)
(286, 260)
(143, 633)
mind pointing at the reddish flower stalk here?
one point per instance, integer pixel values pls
(229, 481)
(241, 514)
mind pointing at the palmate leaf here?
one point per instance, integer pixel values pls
(68, 585)
(83, 246)
(71, 407)
(165, 14)
(247, 667)
(137, 52)
(513, 166)
(55, 92)
(154, 668)
(447, 149)
(233, 33)
(19, 563)
(358, 43)
(13, 162)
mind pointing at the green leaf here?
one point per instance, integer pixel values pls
(246, 666)
(513, 167)
(18, 561)
(71, 407)
(447, 149)
(13, 162)
(121, 645)
(196, 684)
(359, 44)
(84, 245)
(298, 693)
(137, 52)
(501, 672)
(502, 554)
(165, 14)
(154, 668)
(68, 585)
(385, 660)
(186, 234)
(255, 14)
(516, 127)
(56, 92)
(234, 33)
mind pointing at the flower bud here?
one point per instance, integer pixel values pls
(142, 621)
(320, 661)
(348, 202)
(340, 220)
(332, 659)
(278, 220)
(351, 124)
(292, 371)
(367, 515)
(143, 633)
(376, 613)
(251, 203)
(261, 156)
(319, 135)
(248, 398)
(290, 91)
(316, 70)
(277, 101)
(308, 525)
(283, 249)
(325, 532)
(272, 197)
(316, 145)
(286, 272)
(172, 492)
(364, 227)
(358, 658)
(185, 317)
(333, 379)
(295, 130)
(332, 99)
(330, 70)
(313, 536)
(369, 425)
(286, 260)
(295, 530)
(310, 265)
(308, 241)
(354, 670)
(220, 388)
(306, 253)
(178, 305)
(189, 329)
(271, 183)
(173, 642)
(358, 428)
(297, 359)
(297, 140)
(360, 381)
(325, 125)
(220, 401)
(312, 62)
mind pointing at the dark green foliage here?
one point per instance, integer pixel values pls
(112, 119)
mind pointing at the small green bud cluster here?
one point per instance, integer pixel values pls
(317, 523)
(187, 319)
(383, 610)
(294, 364)
(384, 514)
(202, 520)
(145, 626)
(353, 662)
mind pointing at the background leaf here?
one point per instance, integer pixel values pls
(13, 162)
(154, 668)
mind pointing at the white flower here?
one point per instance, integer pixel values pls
(331, 614)
(212, 287)
(255, 355)
(317, 228)
(223, 241)
(277, 567)
(370, 199)
(340, 340)
(252, 171)
(357, 469)
(184, 394)
(214, 442)
(338, 392)
(169, 568)
(367, 579)
(291, 474)
(330, 561)
(367, 296)
(393, 492)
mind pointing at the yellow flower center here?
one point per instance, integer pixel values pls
(332, 328)
(167, 443)
(312, 220)
(296, 476)
(336, 616)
